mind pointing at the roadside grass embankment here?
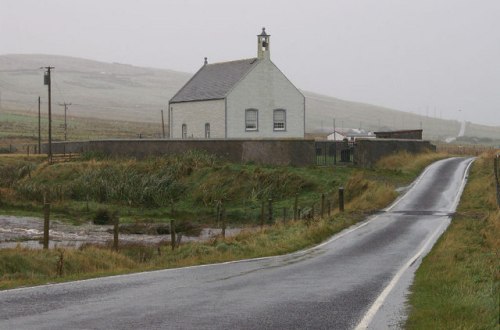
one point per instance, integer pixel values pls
(244, 187)
(457, 284)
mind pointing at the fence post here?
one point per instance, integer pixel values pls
(172, 234)
(218, 214)
(322, 205)
(295, 206)
(116, 221)
(270, 210)
(262, 215)
(223, 216)
(46, 222)
(341, 199)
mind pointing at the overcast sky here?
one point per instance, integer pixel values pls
(433, 57)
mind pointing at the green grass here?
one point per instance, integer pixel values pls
(22, 127)
(366, 192)
(457, 285)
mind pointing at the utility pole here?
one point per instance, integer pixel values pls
(334, 143)
(65, 105)
(47, 81)
(162, 124)
(39, 127)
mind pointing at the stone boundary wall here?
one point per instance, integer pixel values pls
(268, 152)
(368, 151)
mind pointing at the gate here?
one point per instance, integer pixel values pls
(329, 153)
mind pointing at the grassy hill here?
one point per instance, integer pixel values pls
(120, 92)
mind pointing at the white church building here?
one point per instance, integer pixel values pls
(243, 99)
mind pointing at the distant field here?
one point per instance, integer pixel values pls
(22, 127)
(113, 91)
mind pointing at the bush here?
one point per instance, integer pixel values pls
(104, 217)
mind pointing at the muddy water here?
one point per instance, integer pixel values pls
(28, 232)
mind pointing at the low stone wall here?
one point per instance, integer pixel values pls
(271, 152)
(368, 152)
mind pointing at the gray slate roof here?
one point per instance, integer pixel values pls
(214, 81)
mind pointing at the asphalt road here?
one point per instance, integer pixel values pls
(356, 279)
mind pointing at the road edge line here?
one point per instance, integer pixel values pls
(370, 314)
(368, 317)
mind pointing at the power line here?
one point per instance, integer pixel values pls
(65, 105)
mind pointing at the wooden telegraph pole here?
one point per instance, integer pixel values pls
(39, 128)
(162, 124)
(47, 81)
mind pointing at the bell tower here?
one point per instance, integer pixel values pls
(263, 51)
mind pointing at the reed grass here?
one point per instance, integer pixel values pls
(20, 266)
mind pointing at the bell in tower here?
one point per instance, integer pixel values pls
(263, 45)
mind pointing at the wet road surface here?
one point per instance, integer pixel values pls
(341, 284)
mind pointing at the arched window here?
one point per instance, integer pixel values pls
(279, 120)
(207, 131)
(251, 120)
(184, 131)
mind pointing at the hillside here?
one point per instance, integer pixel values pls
(114, 91)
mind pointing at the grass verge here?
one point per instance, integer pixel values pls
(457, 285)
(366, 192)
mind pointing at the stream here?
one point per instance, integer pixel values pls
(28, 232)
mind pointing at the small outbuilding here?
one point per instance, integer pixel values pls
(243, 99)
(414, 134)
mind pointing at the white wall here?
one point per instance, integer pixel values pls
(265, 88)
(195, 115)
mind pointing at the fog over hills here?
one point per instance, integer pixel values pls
(125, 92)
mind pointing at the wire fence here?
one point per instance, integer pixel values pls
(464, 150)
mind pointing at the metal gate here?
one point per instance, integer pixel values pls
(329, 153)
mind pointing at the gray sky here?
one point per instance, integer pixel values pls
(432, 57)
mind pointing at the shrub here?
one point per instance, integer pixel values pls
(104, 217)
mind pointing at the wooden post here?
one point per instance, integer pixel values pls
(116, 221)
(223, 216)
(299, 212)
(162, 125)
(39, 129)
(60, 263)
(270, 211)
(46, 222)
(262, 215)
(341, 199)
(322, 205)
(295, 207)
(217, 217)
(172, 234)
